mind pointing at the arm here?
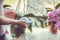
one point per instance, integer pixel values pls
(6, 21)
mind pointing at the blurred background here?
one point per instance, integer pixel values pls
(34, 10)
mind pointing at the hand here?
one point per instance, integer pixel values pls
(21, 24)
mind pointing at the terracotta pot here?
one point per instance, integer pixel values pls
(51, 26)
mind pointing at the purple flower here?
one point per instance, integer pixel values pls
(55, 16)
(57, 25)
(52, 15)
